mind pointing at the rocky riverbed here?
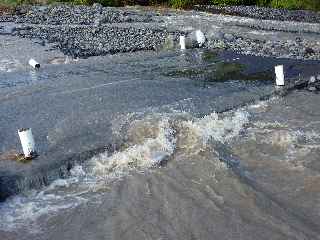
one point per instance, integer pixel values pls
(264, 13)
(83, 31)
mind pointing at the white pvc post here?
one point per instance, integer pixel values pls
(200, 38)
(27, 142)
(33, 63)
(312, 79)
(183, 42)
(279, 75)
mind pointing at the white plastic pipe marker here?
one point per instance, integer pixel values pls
(200, 38)
(183, 42)
(279, 75)
(33, 63)
(27, 142)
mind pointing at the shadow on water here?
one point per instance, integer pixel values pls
(209, 67)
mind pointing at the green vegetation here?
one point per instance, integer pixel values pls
(7, 6)
(289, 4)
(296, 4)
(8, 2)
(233, 2)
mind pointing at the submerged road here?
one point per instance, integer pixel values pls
(72, 108)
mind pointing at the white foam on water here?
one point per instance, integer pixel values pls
(172, 133)
(261, 106)
(151, 152)
(77, 171)
(269, 125)
(312, 137)
(170, 130)
(26, 211)
(9, 65)
(302, 144)
(220, 129)
(23, 211)
(294, 144)
(120, 121)
(262, 32)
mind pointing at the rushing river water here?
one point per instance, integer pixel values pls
(182, 167)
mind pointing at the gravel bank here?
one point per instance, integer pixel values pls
(84, 41)
(83, 31)
(264, 13)
(84, 15)
(296, 48)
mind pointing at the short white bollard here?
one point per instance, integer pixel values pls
(182, 42)
(200, 38)
(33, 63)
(27, 142)
(279, 75)
(312, 79)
